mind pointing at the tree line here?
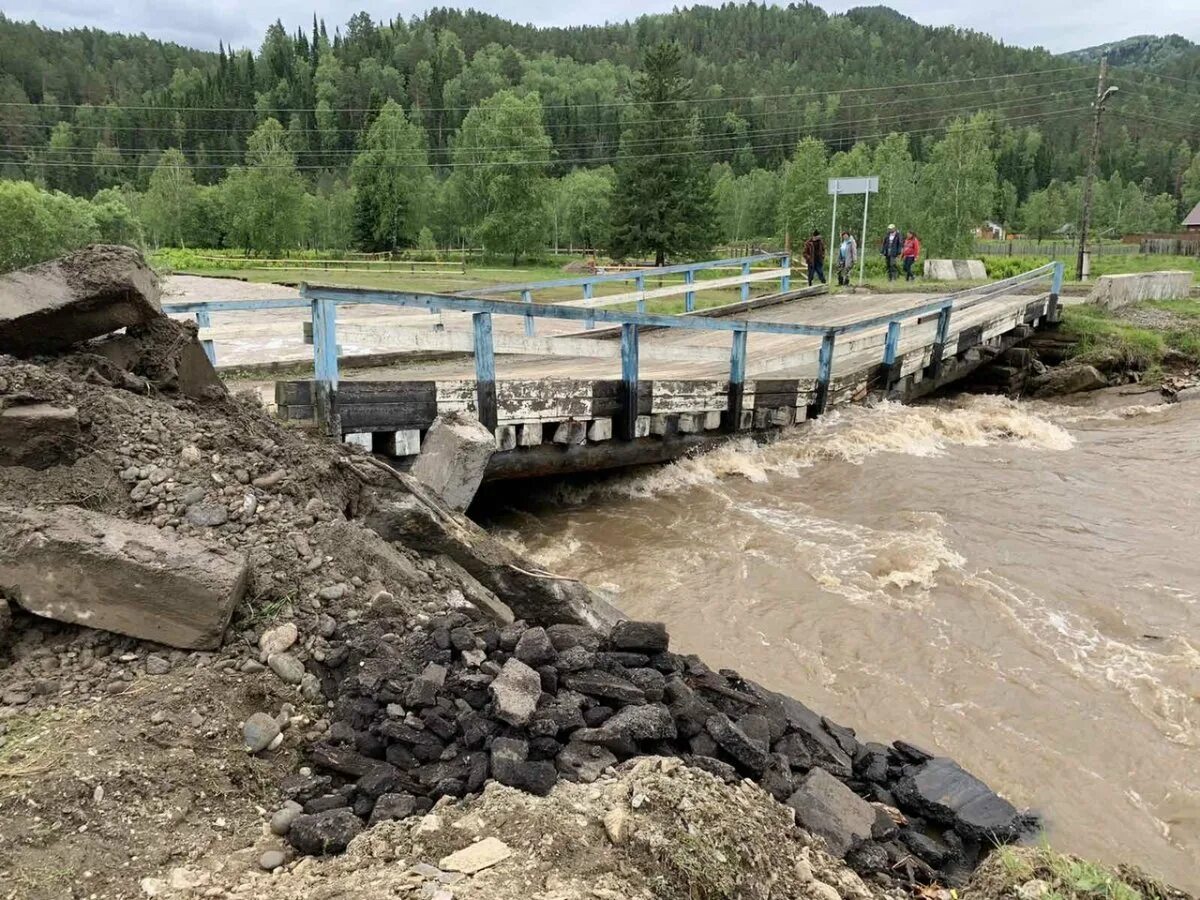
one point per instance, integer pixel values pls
(459, 128)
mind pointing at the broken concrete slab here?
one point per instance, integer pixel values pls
(167, 354)
(453, 458)
(75, 565)
(39, 435)
(399, 508)
(827, 807)
(94, 291)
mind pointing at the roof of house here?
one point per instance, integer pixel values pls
(1193, 218)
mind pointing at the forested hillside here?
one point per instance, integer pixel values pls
(336, 127)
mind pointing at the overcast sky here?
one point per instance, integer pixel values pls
(1055, 24)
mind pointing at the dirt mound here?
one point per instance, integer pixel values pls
(654, 828)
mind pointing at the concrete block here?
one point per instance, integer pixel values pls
(75, 565)
(94, 291)
(660, 424)
(600, 429)
(39, 436)
(762, 417)
(506, 437)
(570, 433)
(691, 423)
(746, 420)
(955, 270)
(801, 414)
(1117, 291)
(641, 427)
(712, 420)
(359, 439)
(453, 458)
(529, 434)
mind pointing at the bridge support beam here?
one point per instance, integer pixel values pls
(1053, 309)
(938, 350)
(891, 348)
(824, 376)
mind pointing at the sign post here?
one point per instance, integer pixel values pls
(865, 185)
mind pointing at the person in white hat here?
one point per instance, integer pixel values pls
(893, 244)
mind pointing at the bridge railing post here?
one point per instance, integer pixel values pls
(785, 280)
(485, 370)
(891, 349)
(627, 418)
(640, 283)
(937, 352)
(689, 298)
(737, 382)
(530, 328)
(1053, 309)
(325, 359)
(745, 281)
(590, 322)
(824, 375)
(204, 320)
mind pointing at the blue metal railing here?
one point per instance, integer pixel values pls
(324, 300)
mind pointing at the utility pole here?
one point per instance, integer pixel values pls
(1103, 92)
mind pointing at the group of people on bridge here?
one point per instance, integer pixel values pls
(895, 250)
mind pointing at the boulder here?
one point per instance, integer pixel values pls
(453, 457)
(940, 789)
(325, 833)
(94, 291)
(516, 691)
(39, 435)
(749, 755)
(648, 637)
(1067, 380)
(92, 569)
(827, 807)
(584, 762)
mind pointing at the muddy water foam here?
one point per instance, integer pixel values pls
(1016, 585)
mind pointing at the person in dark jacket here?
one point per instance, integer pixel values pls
(814, 257)
(893, 246)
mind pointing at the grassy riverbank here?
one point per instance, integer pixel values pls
(1143, 337)
(1039, 873)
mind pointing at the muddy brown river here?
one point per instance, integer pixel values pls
(1014, 585)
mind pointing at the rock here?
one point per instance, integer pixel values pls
(819, 890)
(39, 435)
(516, 692)
(647, 637)
(510, 765)
(287, 667)
(278, 639)
(334, 591)
(564, 637)
(583, 762)
(604, 685)
(207, 515)
(1034, 889)
(815, 746)
(324, 833)
(157, 665)
(94, 291)
(282, 821)
(649, 722)
(534, 648)
(79, 566)
(618, 825)
(941, 790)
(748, 754)
(478, 856)
(259, 731)
(271, 860)
(15, 697)
(453, 458)
(828, 808)
(399, 805)
(425, 687)
(1067, 379)
(310, 687)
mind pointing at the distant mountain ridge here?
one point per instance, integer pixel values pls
(1144, 51)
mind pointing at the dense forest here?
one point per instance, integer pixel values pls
(458, 127)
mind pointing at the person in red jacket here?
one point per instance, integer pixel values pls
(912, 249)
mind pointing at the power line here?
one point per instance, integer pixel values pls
(792, 128)
(620, 103)
(737, 140)
(546, 162)
(1043, 86)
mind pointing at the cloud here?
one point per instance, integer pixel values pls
(202, 23)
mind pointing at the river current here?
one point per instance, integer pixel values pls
(1016, 585)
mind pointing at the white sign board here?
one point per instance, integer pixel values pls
(844, 186)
